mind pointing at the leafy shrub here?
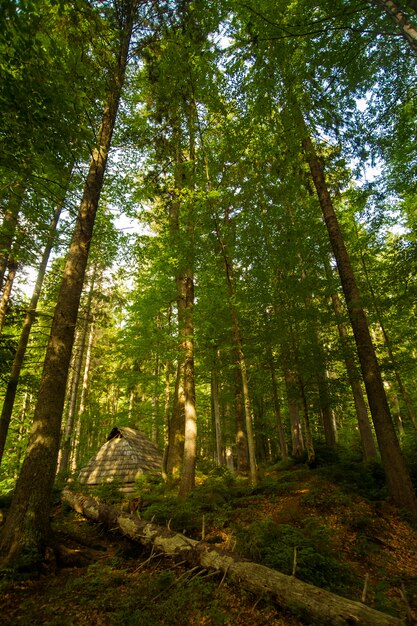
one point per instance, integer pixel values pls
(366, 480)
(274, 546)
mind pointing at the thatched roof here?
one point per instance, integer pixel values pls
(126, 454)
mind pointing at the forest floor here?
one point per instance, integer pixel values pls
(341, 537)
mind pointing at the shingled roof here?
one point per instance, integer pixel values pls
(126, 454)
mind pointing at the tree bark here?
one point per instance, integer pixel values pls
(398, 478)
(25, 535)
(320, 606)
(394, 10)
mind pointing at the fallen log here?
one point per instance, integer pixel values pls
(303, 599)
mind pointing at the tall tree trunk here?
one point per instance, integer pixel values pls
(26, 532)
(367, 441)
(397, 475)
(75, 385)
(13, 381)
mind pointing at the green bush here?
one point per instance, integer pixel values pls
(275, 546)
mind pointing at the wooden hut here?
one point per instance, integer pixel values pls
(126, 454)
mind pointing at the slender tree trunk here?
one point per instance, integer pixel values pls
(297, 441)
(25, 534)
(397, 475)
(9, 225)
(176, 427)
(190, 432)
(241, 440)
(367, 441)
(277, 410)
(13, 381)
(388, 344)
(238, 342)
(327, 413)
(220, 460)
(71, 419)
(12, 268)
(311, 455)
(83, 400)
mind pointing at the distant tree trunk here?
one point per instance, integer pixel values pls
(83, 400)
(397, 475)
(75, 385)
(277, 410)
(13, 381)
(176, 427)
(297, 441)
(190, 414)
(238, 344)
(9, 225)
(311, 455)
(220, 459)
(388, 344)
(25, 534)
(241, 440)
(367, 441)
(11, 275)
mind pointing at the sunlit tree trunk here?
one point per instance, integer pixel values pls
(190, 414)
(25, 534)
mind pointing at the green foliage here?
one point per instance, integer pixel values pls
(367, 480)
(108, 492)
(275, 545)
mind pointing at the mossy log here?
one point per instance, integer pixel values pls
(313, 603)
